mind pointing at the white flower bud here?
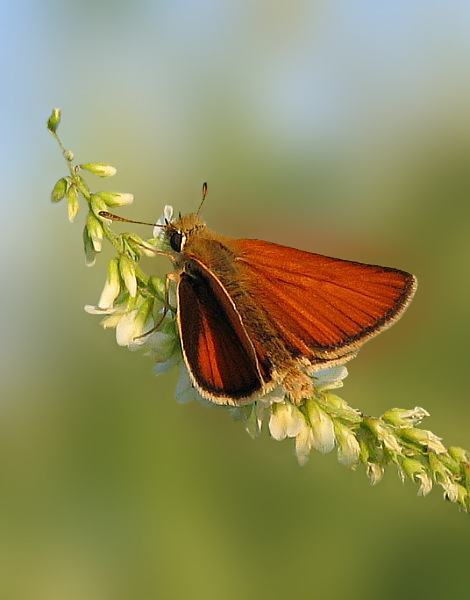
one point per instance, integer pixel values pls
(112, 286)
(101, 169)
(425, 483)
(132, 325)
(384, 433)
(95, 231)
(348, 446)
(424, 438)
(127, 270)
(114, 199)
(72, 202)
(143, 323)
(374, 472)
(331, 378)
(323, 432)
(416, 471)
(400, 417)
(167, 216)
(304, 443)
(90, 253)
(286, 420)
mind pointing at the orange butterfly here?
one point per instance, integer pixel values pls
(253, 315)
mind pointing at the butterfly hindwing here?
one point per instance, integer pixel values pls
(217, 350)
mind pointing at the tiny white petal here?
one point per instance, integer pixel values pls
(278, 422)
(127, 270)
(127, 329)
(295, 422)
(425, 483)
(112, 320)
(274, 396)
(285, 421)
(303, 443)
(401, 473)
(323, 432)
(141, 339)
(98, 310)
(374, 472)
(331, 378)
(348, 446)
(166, 217)
(131, 284)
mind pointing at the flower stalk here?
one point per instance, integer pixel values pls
(133, 303)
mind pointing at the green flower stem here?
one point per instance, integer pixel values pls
(417, 454)
(133, 302)
(118, 241)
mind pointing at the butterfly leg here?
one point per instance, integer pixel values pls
(166, 306)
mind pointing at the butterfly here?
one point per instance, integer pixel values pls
(253, 315)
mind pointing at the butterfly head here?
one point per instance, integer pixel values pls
(178, 232)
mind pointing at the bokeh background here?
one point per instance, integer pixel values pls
(341, 128)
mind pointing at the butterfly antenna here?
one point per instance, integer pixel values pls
(204, 194)
(107, 215)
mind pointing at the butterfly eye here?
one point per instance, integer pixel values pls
(177, 240)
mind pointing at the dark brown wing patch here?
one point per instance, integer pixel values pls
(216, 347)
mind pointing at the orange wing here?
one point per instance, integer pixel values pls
(220, 357)
(322, 307)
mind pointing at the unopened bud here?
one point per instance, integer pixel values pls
(97, 205)
(100, 169)
(112, 286)
(348, 446)
(384, 433)
(286, 420)
(115, 199)
(374, 472)
(90, 254)
(127, 270)
(424, 438)
(322, 427)
(54, 120)
(401, 417)
(459, 454)
(72, 201)
(95, 231)
(304, 443)
(59, 190)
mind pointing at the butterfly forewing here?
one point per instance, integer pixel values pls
(321, 306)
(217, 350)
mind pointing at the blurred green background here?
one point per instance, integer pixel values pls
(341, 128)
